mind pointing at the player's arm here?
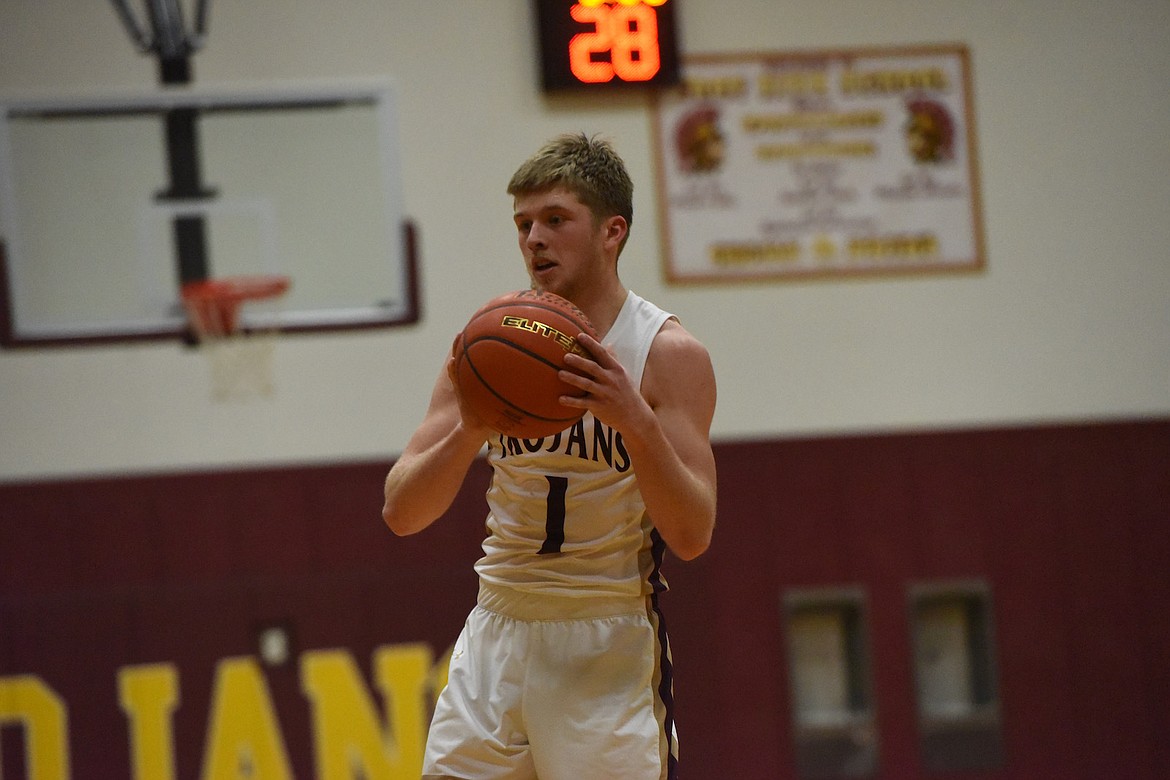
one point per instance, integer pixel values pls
(671, 449)
(426, 478)
(666, 428)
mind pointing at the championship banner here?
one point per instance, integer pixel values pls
(780, 166)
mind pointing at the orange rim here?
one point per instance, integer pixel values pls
(236, 288)
(213, 304)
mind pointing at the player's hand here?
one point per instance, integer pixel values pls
(607, 390)
(469, 419)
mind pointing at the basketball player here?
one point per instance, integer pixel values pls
(562, 670)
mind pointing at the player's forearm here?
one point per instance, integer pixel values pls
(679, 499)
(421, 486)
(684, 518)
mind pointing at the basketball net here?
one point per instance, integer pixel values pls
(235, 320)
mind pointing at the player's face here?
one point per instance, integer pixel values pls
(563, 245)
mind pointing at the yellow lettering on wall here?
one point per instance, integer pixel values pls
(889, 81)
(729, 254)
(812, 120)
(403, 675)
(816, 149)
(775, 85)
(25, 700)
(243, 739)
(149, 694)
(717, 87)
(907, 246)
(440, 672)
(348, 738)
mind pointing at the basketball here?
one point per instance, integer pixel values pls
(507, 359)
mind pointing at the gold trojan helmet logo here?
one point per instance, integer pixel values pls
(699, 142)
(930, 132)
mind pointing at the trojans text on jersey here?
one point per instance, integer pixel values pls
(605, 444)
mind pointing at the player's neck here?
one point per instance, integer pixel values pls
(602, 305)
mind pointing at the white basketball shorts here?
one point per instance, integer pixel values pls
(556, 689)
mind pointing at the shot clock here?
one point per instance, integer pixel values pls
(594, 45)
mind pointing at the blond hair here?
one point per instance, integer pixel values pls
(590, 168)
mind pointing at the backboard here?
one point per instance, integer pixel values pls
(305, 182)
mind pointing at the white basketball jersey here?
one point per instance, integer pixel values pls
(565, 514)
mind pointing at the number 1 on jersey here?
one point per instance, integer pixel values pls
(554, 521)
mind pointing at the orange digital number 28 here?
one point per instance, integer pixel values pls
(628, 32)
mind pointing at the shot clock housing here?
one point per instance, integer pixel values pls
(594, 45)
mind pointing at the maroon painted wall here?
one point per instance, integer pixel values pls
(99, 574)
(1068, 526)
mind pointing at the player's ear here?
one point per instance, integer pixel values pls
(616, 229)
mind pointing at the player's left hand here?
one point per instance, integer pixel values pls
(608, 392)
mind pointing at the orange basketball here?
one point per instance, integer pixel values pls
(507, 359)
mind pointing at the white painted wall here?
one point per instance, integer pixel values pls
(1070, 322)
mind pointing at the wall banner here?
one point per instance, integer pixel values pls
(781, 166)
